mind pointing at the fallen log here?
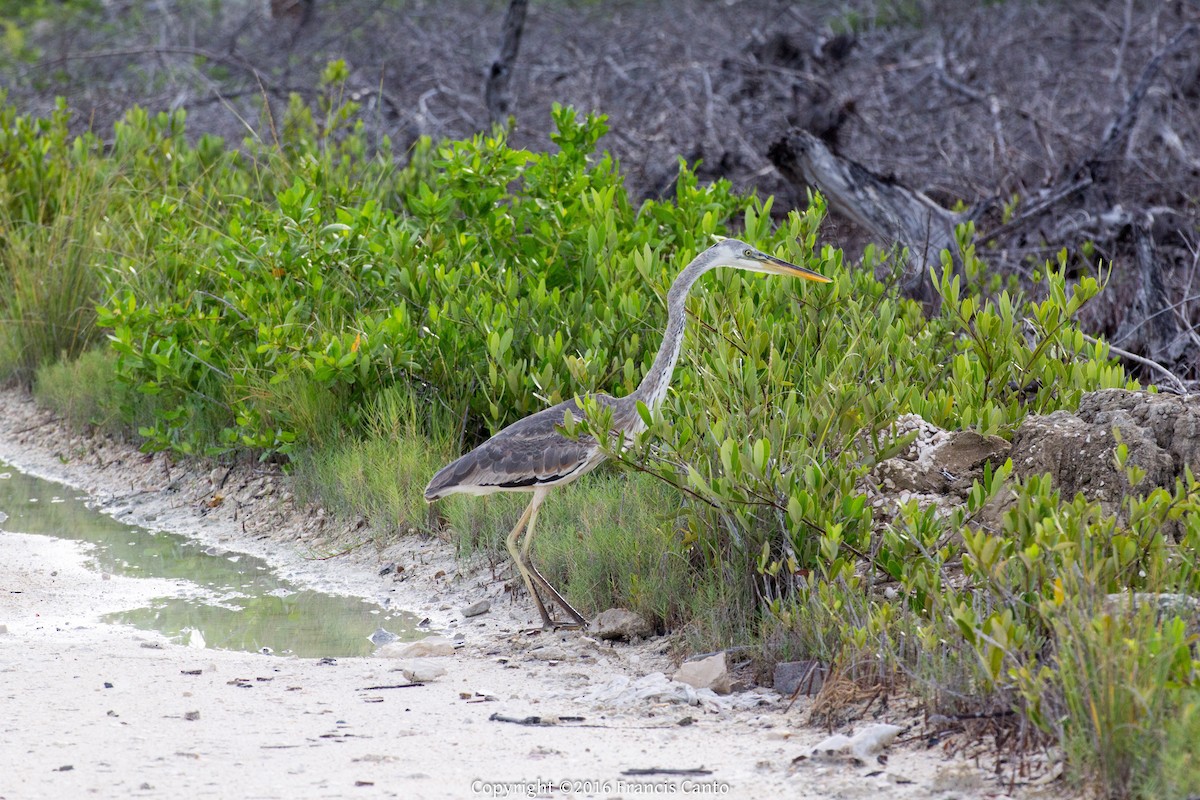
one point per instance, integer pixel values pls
(890, 212)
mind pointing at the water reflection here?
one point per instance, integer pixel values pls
(226, 600)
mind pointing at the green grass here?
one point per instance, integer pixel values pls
(381, 476)
(611, 539)
(1176, 773)
(49, 285)
(616, 542)
(1120, 673)
(84, 391)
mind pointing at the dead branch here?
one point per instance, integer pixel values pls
(1098, 163)
(1149, 326)
(497, 92)
(1176, 384)
(888, 210)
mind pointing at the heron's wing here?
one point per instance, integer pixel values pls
(528, 453)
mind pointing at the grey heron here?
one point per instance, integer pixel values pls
(533, 455)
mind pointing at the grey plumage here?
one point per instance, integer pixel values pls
(531, 455)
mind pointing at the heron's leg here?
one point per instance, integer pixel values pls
(511, 542)
(526, 546)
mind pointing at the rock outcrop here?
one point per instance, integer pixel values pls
(1162, 433)
(1077, 449)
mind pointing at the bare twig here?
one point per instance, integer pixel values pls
(666, 771)
(1118, 132)
(1176, 383)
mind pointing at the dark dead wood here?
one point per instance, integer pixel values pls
(497, 93)
(1046, 200)
(665, 771)
(1150, 327)
(1089, 176)
(888, 210)
(391, 686)
(535, 720)
(1098, 164)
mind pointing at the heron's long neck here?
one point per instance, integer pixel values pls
(653, 387)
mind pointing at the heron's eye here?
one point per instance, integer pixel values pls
(749, 253)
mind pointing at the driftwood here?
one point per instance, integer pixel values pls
(888, 210)
(497, 92)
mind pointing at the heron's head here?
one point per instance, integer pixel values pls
(738, 254)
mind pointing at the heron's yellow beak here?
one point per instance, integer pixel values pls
(781, 267)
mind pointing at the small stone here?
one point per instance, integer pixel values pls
(864, 745)
(432, 646)
(217, 477)
(419, 670)
(3, 629)
(622, 624)
(382, 636)
(475, 609)
(706, 673)
(191, 716)
(807, 676)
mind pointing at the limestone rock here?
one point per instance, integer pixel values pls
(939, 462)
(475, 609)
(430, 647)
(620, 623)
(807, 676)
(421, 670)
(1161, 431)
(382, 636)
(863, 746)
(706, 673)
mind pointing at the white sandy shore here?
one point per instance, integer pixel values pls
(89, 709)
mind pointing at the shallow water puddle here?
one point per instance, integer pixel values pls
(226, 600)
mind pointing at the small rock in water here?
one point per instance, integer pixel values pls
(475, 609)
(706, 673)
(420, 670)
(425, 648)
(382, 637)
(621, 623)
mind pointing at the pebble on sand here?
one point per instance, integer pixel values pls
(420, 670)
(424, 648)
(475, 609)
(621, 623)
(706, 673)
